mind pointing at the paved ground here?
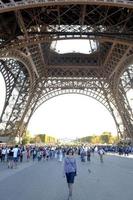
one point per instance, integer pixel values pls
(111, 180)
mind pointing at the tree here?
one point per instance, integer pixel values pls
(95, 140)
(89, 139)
(113, 139)
(26, 138)
(105, 137)
(37, 139)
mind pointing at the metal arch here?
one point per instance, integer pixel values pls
(21, 43)
(57, 92)
(18, 78)
(5, 7)
(8, 79)
(20, 56)
(22, 96)
(127, 78)
(120, 90)
(128, 61)
(126, 116)
(17, 54)
(92, 82)
(56, 84)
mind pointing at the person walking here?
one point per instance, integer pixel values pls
(70, 170)
(60, 155)
(15, 155)
(101, 152)
(10, 158)
(88, 154)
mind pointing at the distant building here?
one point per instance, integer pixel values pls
(50, 140)
(47, 139)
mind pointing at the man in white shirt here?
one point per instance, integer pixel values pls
(3, 154)
(15, 155)
(101, 152)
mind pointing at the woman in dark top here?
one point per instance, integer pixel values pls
(10, 158)
(70, 170)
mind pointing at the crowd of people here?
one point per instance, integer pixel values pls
(13, 156)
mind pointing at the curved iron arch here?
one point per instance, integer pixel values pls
(10, 81)
(127, 62)
(126, 79)
(21, 57)
(5, 7)
(7, 75)
(55, 93)
(21, 43)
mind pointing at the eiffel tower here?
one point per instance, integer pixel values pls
(34, 72)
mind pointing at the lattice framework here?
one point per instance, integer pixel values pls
(34, 72)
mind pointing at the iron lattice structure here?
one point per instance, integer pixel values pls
(34, 72)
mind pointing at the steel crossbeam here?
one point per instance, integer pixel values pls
(15, 5)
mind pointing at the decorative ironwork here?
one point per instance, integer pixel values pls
(34, 72)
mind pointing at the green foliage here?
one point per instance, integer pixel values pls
(40, 138)
(95, 139)
(26, 138)
(104, 138)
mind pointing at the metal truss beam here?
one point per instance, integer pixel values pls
(6, 7)
(20, 78)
